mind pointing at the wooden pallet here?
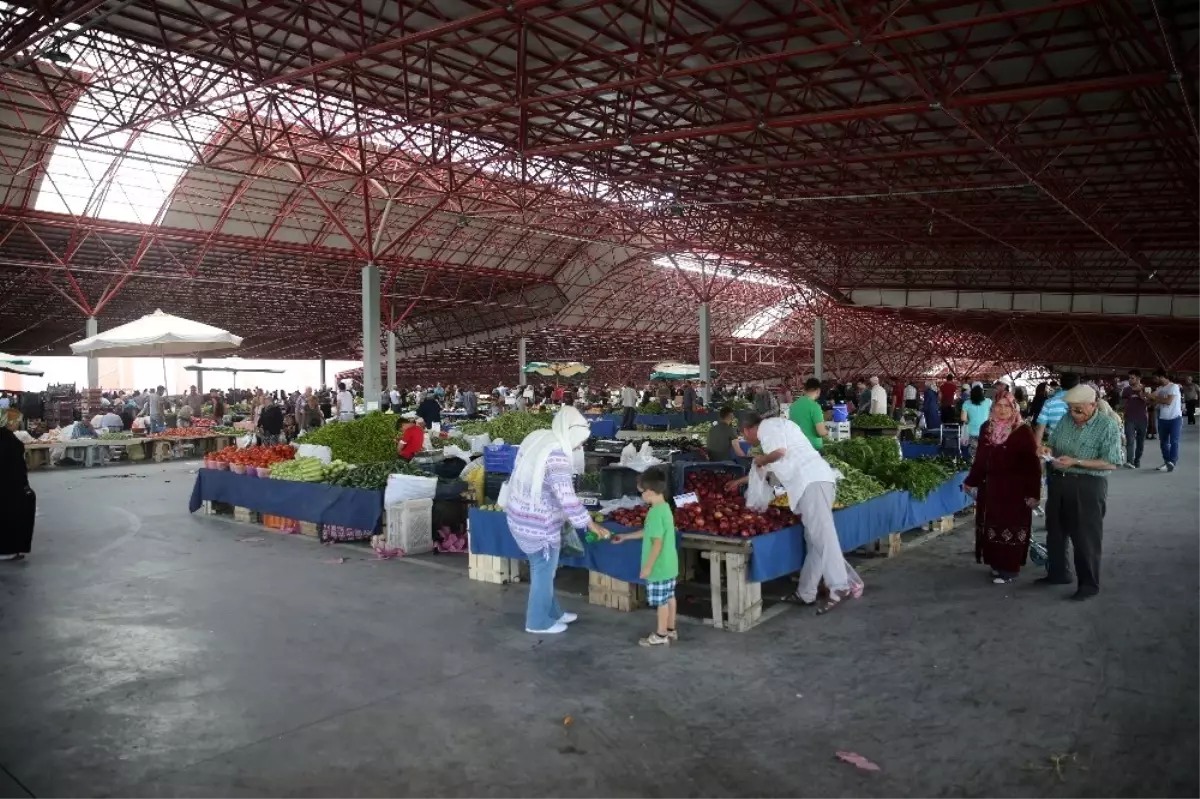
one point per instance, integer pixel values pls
(943, 525)
(609, 592)
(246, 515)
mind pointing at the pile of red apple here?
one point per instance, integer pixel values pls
(718, 512)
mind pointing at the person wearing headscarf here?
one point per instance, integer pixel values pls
(1006, 479)
(1085, 447)
(541, 499)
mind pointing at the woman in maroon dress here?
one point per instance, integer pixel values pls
(1006, 479)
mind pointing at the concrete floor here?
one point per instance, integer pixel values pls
(149, 652)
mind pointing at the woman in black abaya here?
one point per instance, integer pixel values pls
(18, 503)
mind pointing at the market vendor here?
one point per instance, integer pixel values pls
(811, 488)
(430, 410)
(412, 437)
(807, 414)
(270, 424)
(723, 440)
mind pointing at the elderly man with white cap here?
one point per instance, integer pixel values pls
(878, 397)
(1082, 451)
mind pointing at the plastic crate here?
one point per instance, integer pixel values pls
(499, 458)
(410, 526)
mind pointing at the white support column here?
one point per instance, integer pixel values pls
(391, 364)
(819, 348)
(199, 377)
(93, 363)
(705, 352)
(321, 367)
(521, 360)
(370, 334)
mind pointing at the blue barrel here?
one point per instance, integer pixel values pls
(841, 413)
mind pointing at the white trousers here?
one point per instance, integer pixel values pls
(823, 557)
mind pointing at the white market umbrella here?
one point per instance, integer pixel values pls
(17, 366)
(568, 369)
(672, 370)
(159, 334)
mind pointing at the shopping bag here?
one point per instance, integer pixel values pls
(572, 547)
(759, 493)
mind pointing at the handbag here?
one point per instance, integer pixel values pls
(572, 547)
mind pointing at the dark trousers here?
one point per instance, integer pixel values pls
(1075, 508)
(627, 418)
(1190, 410)
(1135, 440)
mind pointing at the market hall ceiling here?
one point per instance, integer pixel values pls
(488, 154)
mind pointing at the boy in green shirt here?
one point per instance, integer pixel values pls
(660, 560)
(806, 413)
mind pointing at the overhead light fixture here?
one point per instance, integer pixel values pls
(57, 54)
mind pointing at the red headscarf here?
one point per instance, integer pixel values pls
(999, 430)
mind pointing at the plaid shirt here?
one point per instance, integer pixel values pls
(1097, 439)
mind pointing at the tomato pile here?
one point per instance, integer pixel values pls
(183, 432)
(255, 456)
(718, 512)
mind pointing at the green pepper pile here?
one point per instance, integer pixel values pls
(371, 439)
(855, 486)
(512, 426)
(879, 459)
(917, 476)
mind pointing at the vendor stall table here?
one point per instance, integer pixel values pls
(319, 503)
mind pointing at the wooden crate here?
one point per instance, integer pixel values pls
(246, 515)
(310, 529)
(609, 592)
(494, 569)
(942, 525)
(888, 546)
(736, 602)
(216, 508)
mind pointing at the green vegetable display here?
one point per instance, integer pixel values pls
(855, 486)
(437, 442)
(304, 470)
(863, 453)
(874, 421)
(512, 426)
(917, 476)
(333, 470)
(371, 439)
(373, 476)
(111, 436)
(654, 406)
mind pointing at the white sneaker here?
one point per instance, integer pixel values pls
(1163, 468)
(557, 627)
(567, 618)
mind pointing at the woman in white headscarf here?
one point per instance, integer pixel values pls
(541, 499)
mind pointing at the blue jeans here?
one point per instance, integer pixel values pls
(543, 610)
(1168, 438)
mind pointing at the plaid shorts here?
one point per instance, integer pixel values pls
(660, 593)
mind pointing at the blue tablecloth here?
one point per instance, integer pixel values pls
(309, 502)
(490, 536)
(782, 552)
(604, 428)
(912, 449)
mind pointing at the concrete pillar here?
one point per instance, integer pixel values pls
(819, 348)
(391, 356)
(521, 360)
(93, 363)
(370, 334)
(321, 367)
(705, 352)
(200, 377)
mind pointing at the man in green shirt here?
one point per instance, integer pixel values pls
(806, 413)
(723, 438)
(1085, 447)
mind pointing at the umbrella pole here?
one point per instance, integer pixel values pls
(162, 355)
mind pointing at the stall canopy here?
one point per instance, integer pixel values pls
(234, 369)
(670, 370)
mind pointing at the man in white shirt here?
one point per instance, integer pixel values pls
(345, 404)
(810, 484)
(629, 400)
(395, 397)
(910, 396)
(110, 423)
(1170, 419)
(878, 397)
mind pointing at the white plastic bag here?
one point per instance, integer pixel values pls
(478, 443)
(452, 451)
(502, 498)
(402, 487)
(758, 491)
(319, 451)
(245, 441)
